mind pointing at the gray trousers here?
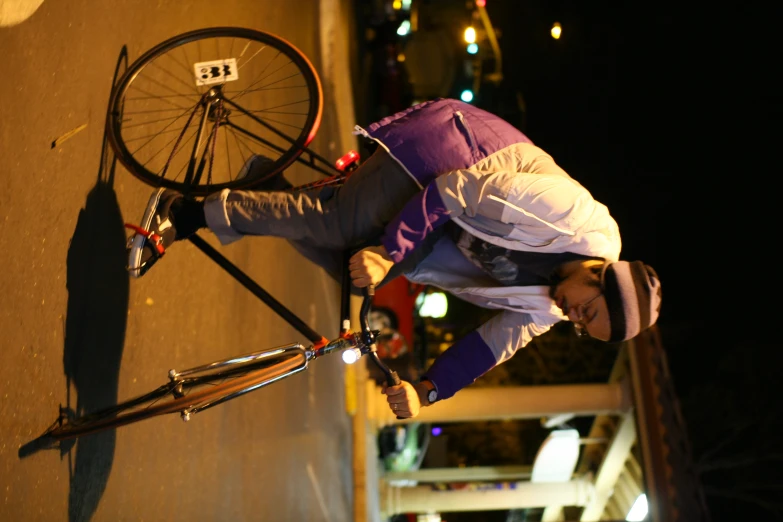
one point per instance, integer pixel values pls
(320, 224)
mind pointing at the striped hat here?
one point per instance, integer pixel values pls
(633, 296)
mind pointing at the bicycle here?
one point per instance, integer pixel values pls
(265, 113)
(197, 389)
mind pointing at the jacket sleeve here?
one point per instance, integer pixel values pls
(423, 213)
(481, 350)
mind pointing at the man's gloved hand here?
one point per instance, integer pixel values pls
(403, 399)
(369, 266)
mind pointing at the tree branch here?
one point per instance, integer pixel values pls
(738, 462)
(728, 439)
(750, 499)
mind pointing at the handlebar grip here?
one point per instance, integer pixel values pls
(392, 379)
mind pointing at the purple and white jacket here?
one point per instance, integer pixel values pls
(485, 175)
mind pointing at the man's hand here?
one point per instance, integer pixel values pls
(403, 400)
(369, 266)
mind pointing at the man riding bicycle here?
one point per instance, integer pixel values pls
(455, 198)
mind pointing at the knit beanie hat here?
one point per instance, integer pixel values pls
(633, 296)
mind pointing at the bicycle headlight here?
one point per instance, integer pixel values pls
(351, 355)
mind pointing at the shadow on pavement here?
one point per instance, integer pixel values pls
(98, 293)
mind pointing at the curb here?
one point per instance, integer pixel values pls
(334, 17)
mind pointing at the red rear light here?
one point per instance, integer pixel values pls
(347, 160)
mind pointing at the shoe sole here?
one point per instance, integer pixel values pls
(137, 246)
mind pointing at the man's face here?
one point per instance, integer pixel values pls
(579, 296)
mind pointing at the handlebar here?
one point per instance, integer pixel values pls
(368, 336)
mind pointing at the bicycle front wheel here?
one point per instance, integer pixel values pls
(178, 397)
(215, 108)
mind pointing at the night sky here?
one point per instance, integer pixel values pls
(671, 117)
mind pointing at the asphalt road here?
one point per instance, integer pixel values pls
(75, 330)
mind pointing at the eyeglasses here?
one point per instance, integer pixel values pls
(579, 327)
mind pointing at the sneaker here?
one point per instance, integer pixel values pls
(154, 234)
(254, 167)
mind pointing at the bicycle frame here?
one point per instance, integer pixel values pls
(348, 164)
(364, 340)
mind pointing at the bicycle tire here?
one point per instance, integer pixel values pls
(130, 118)
(161, 402)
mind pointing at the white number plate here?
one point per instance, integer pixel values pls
(217, 71)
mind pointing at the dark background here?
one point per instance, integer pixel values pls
(670, 114)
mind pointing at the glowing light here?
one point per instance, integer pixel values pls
(436, 431)
(346, 160)
(470, 35)
(397, 4)
(481, 3)
(351, 355)
(466, 96)
(404, 28)
(638, 511)
(557, 457)
(472, 48)
(401, 57)
(435, 304)
(406, 5)
(556, 31)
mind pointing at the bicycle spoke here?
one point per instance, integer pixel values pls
(148, 78)
(184, 164)
(155, 97)
(174, 155)
(258, 120)
(126, 127)
(267, 86)
(228, 155)
(186, 69)
(265, 89)
(166, 127)
(268, 111)
(159, 97)
(253, 56)
(242, 54)
(147, 112)
(250, 149)
(177, 78)
(273, 107)
(196, 146)
(256, 139)
(239, 148)
(262, 77)
(156, 135)
(248, 89)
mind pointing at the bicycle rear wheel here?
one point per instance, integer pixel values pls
(177, 397)
(192, 112)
